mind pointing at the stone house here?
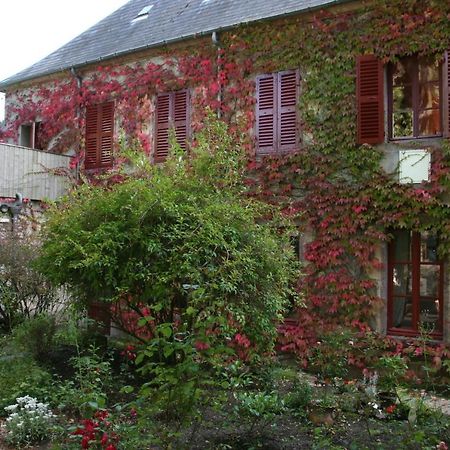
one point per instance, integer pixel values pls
(345, 109)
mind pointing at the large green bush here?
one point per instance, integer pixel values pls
(177, 237)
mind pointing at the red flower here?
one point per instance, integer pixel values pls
(390, 409)
(111, 447)
(85, 442)
(104, 439)
(199, 346)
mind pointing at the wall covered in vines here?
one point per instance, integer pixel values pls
(332, 187)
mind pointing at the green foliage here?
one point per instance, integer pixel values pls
(176, 236)
(28, 422)
(392, 372)
(36, 336)
(23, 291)
(258, 408)
(20, 376)
(88, 391)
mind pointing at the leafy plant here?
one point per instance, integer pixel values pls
(189, 239)
(20, 376)
(28, 422)
(24, 292)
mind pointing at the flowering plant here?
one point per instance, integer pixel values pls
(29, 421)
(95, 432)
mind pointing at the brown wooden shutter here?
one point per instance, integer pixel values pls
(92, 116)
(446, 95)
(370, 98)
(163, 107)
(99, 135)
(106, 134)
(172, 110)
(287, 129)
(266, 120)
(180, 118)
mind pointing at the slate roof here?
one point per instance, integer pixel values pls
(168, 21)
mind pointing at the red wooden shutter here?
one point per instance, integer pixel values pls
(180, 117)
(266, 120)
(287, 129)
(106, 134)
(99, 135)
(163, 107)
(92, 115)
(171, 111)
(370, 98)
(446, 96)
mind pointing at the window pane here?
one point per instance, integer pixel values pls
(429, 314)
(402, 313)
(428, 247)
(402, 279)
(402, 124)
(402, 245)
(428, 69)
(402, 71)
(402, 97)
(429, 122)
(429, 96)
(429, 280)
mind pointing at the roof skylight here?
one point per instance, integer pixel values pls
(143, 13)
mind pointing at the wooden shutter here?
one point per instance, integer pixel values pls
(287, 129)
(446, 95)
(99, 135)
(180, 117)
(171, 111)
(163, 107)
(92, 115)
(106, 134)
(266, 120)
(370, 98)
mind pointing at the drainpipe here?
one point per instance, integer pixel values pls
(216, 42)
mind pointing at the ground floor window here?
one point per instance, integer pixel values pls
(415, 290)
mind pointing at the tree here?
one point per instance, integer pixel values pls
(174, 238)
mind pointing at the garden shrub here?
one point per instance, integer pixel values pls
(20, 376)
(24, 292)
(28, 422)
(176, 237)
(36, 336)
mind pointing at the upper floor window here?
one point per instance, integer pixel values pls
(29, 135)
(172, 112)
(414, 97)
(99, 136)
(418, 98)
(277, 112)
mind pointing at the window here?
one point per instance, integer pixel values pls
(415, 290)
(172, 112)
(99, 136)
(418, 98)
(276, 112)
(414, 97)
(29, 135)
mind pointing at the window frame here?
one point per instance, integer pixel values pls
(34, 128)
(415, 264)
(415, 88)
